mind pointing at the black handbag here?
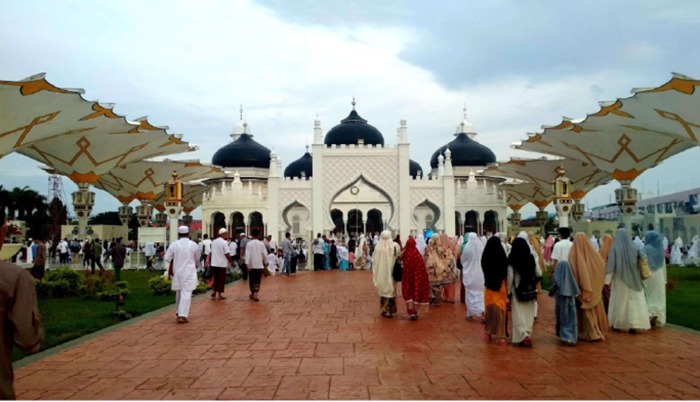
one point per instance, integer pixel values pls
(397, 272)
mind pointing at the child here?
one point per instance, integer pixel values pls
(272, 262)
(351, 259)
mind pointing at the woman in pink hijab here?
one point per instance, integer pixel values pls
(548, 246)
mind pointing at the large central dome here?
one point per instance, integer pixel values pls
(465, 151)
(352, 129)
(244, 152)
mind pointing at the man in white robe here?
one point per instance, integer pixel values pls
(676, 252)
(184, 256)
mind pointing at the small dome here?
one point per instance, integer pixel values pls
(414, 169)
(352, 129)
(304, 165)
(465, 152)
(244, 152)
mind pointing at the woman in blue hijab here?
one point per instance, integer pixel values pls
(655, 286)
(564, 289)
(628, 308)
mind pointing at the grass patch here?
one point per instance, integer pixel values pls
(683, 296)
(70, 318)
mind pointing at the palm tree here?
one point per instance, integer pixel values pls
(5, 199)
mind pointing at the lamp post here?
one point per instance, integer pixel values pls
(83, 201)
(626, 197)
(125, 212)
(144, 213)
(562, 197)
(173, 203)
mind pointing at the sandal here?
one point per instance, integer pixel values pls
(221, 298)
(501, 342)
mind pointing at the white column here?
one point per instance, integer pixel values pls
(404, 207)
(448, 183)
(318, 210)
(273, 183)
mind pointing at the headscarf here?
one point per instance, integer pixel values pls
(564, 282)
(665, 242)
(472, 274)
(420, 243)
(594, 243)
(359, 250)
(622, 260)
(521, 259)
(638, 242)
(412, 256)
(678, 242)
(588, 269)
(654, 250)
(465, 241)
(606, 244)
(494, 263)
(483, 240)
(536, 246)
(385, 253)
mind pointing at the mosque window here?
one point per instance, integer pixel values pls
(295, 224)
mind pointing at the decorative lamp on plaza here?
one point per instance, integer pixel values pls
(173, 194)
(562, 196)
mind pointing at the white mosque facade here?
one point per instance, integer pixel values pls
(352, 183)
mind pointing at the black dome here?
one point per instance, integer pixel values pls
(351, 129)
(244, 152)
(304, 164)
(465, 152)
(414, 169)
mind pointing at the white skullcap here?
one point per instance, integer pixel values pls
(222, 231)
(183, 230)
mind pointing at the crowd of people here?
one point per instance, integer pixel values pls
(616, 283)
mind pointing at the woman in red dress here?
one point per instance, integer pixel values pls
(415, 286)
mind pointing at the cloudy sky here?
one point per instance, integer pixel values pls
(189, 65)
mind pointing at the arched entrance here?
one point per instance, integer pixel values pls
(426, 214)
(219, 220)
(237, 223)
(490, 222)
(355, 222)
(255, 220)
(374, 221)
(338, 223)
(471, 222)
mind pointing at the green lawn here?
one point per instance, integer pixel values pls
(70, 318)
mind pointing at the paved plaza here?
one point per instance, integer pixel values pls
(319, 335)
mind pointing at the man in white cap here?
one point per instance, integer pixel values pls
(183, 256)
(220, 257)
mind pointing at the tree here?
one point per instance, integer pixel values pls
(105, 218)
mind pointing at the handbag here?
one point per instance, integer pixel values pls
(644, 270)
(397, 272)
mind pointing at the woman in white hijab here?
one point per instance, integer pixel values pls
(638, 242)
(385, 254)
(361, 252)
(421, 244)
(594, 243)
(676, 253)
(504, 242)
(473, 277)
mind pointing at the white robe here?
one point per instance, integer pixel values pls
(473, 276)
(694, 251)
(655, 292)
(185, 255)
(522, 313)
(628, 307)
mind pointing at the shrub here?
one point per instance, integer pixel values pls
(62, 288)
(44, 289)
(112, 295)
(201, 288)
(160, 285)
(72, 277)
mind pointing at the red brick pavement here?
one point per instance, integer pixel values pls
(319, 335)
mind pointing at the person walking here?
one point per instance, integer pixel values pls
(20, 321)
(149, 251)
(256, 261)
(183, 257)
(39, 253)
(522, 271)
(319, 253)
(494, 263)
(96, 256)
(385, 254)
(565, 290)
(589, 272)
(473, 277)
(118, 254)
(415, 286)
(220, 258)
(628, 308)
(655, 286)
(287, 251)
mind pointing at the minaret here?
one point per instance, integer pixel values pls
(448, 185)
(317, 217)
(404, 180)
(273, 183)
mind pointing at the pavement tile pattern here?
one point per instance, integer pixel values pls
(319, 335)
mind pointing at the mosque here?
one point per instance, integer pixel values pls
(353, 182)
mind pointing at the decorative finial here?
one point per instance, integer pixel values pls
(241, 112)
(464, 110)
(245, 128)
(307, 147)
(353, 103)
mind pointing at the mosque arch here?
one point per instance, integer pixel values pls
(650, 226)
(355, 224)
(374, 221)
(255, 221)
(490, 222)
(338, 222)
(471, 221)
(426, 215)
(296, 216)
(219, 221)
(360, 193)
(238, 225)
